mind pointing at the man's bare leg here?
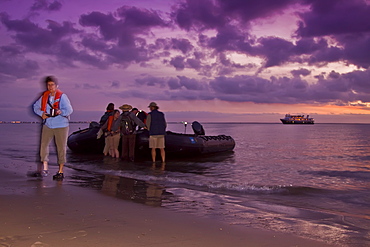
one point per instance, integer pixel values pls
(163, 155)
(153, 154)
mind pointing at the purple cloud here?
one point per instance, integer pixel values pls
(334, 18)
(140, 18)
(35, 38)
(345, 21)
(228, 17)
(275, 50)
(357, 50)
(14, 65)
(190, 84)
(194, 63)
(183, 45)
(123, 28)
(178, 62)
(168, 44)
(198, 15)
(336, 88)
(252, 9)
(333, 88)
(300, 72)
(151, 81)
(107, 24)
(202, 15)
(131, 21)
(87, 86)
(46, 5)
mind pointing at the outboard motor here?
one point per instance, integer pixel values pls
(197, 128)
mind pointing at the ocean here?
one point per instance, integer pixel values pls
(308, 180)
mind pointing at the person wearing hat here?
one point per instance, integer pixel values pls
(157, 125)
(129, 121)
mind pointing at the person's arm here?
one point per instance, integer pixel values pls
(37, 107)
(137, 120)
(148, 121)
(101, 130)
(65, 106)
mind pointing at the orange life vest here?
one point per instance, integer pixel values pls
(45, 98)
(110, 121)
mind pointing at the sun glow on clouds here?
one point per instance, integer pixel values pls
(359, 103)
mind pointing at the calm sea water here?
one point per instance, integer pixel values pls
(309, 180)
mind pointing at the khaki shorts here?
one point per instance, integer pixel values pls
(156, 141)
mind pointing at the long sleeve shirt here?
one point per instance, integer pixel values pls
(115, 125)
(59, 121)
(136, 121)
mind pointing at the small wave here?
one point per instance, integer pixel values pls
(202, 184)
(359, 175)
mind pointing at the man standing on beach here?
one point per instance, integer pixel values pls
(54, 108)
(129, 121)
(157, 125)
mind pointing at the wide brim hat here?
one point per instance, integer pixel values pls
(153, 104)
(125, 107)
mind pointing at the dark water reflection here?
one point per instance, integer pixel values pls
(124, 188)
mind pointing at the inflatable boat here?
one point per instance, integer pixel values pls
(178, 144)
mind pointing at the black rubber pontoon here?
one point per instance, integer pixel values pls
(84, 141)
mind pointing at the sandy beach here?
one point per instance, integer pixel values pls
(53, 213)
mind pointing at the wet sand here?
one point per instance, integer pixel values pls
(50, 213)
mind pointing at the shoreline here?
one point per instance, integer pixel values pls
(53, 213)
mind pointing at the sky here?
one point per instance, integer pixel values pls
(205, 60)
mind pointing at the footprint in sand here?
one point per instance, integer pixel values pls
(7, 241)
(39, 244)
(79, 234)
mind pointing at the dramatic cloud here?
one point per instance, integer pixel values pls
(345, 21)
(335, 18)
(335, 88)
(196, 50)
(130, 21)
(199, 15)
(35, 38)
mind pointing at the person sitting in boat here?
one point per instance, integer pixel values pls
(111, 129)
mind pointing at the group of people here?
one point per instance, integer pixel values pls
(116, 126)
(54, 107)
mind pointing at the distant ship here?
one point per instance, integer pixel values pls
(297, 119)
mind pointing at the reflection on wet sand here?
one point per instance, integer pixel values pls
(112, 183)
(133, 190)
(136, 190)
